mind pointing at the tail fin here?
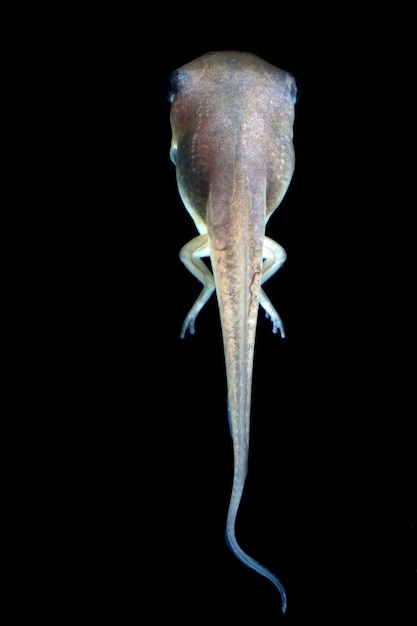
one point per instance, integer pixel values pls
(233, 545)
(236, 226)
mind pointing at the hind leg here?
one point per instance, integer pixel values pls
(274, 257)
(191, 255)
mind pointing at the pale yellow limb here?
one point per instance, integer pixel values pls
(274, 256)
(191, 255)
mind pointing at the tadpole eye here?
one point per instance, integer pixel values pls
(172, 85)
(296, 90)
(173, 154)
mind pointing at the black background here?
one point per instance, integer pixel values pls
(142, 460)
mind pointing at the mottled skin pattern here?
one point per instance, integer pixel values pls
(232, 118)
